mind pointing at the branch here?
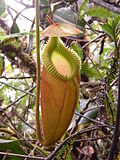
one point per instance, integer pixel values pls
(16, 100)
(114, 147)
(21, 156)
(67, 140)
(28, 124)
(21, 78)
(15, 88)
(93, 40)
(94, 139)
(25, 62)
(28, 144)
(107, 6)
(94, 121)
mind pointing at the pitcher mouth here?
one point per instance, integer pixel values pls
(59, 60)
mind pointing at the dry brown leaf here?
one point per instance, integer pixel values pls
(60, 30)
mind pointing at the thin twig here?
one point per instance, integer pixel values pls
(93, 40)
(94, 121)
(75, 135)
(26, 5)
(21, 156)
(31, 152)
(9, 118)
(30, 43)
(16, 100)
(5, 156)
(7, 78)
(29, 144)
(99, 36)
(17, 88)
(93, 139)
(24, 121)
(90, 109)
(113, 83)
(107, 94)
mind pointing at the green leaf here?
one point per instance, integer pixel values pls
(89, 71)
(83, 6)
(68, 157)
(78, 50)
(114, 22)
(92, 114)
(2, 7)
(13, 146)
(97, 11)
(66, 15)
(44, 2)
(15, 28)
(108, 29)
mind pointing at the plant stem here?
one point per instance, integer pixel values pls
(38, 132)
(114, 146)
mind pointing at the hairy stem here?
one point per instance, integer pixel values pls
(38, 132)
